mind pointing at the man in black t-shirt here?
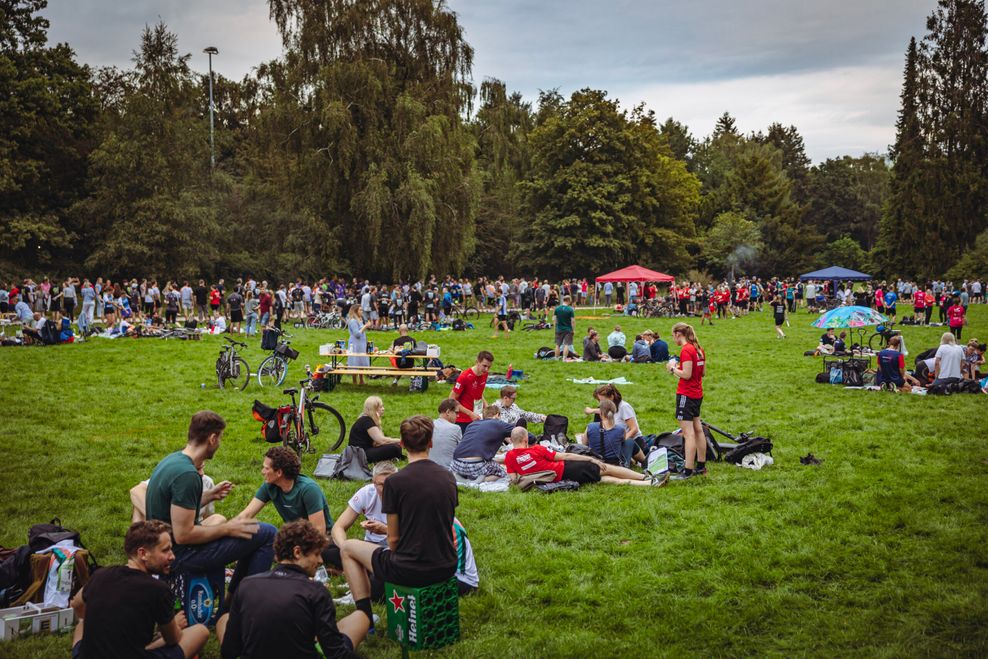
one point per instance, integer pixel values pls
(401, 343)
(121, 605)
(420, 502)
(201, 294)
(280, 613)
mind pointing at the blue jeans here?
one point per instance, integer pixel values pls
(628, 450)
(251, 324)
(253, 556)
(265, 317)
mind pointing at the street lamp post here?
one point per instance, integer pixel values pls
(211, 50)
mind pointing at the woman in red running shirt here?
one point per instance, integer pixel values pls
(956, 318)
(689, 397)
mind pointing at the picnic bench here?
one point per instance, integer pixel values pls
(338, 367)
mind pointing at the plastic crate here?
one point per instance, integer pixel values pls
(34, 619)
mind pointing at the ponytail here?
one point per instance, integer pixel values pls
(690, 335)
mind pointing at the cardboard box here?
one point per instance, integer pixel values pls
(33, 619)
(432, 351)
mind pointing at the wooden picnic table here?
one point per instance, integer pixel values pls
(338, 366)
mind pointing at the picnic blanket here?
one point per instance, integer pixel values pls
(620, 380)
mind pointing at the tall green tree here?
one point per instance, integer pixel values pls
(795, 162)
(605, 191)
(151, 209)
(847, 196)
(366, 116)
(732, 244)
(501, 130)
(681, 142)
(47, 114)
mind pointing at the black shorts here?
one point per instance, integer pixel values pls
(236, 315)
(385, 569)
(582, 472)
(687, 408)
(779, 320)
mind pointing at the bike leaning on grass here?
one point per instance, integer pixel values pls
(231, 368)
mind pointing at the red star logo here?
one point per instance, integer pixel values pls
(397, 601)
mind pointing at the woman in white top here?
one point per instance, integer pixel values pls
(625, 416)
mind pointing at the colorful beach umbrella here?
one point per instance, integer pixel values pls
(843, 317)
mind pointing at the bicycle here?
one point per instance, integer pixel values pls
(274, 368)
(322, 320)
(311, 418)
(468, 313)
(883, 334)
(231, 367)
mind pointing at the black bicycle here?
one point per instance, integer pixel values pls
(231, 368)
(312, 421)
(274, 368)
(883, 334)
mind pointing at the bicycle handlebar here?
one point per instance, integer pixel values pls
(234, 342)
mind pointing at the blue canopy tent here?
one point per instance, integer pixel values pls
(835, 274)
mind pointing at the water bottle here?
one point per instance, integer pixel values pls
(308, 371)
(321, 575)
(510, 371)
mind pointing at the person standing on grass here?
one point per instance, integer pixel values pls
(121, 605)
(285, 612)
(420, 503)
(469, 388)
(502, 315)
(357, 343)
(781, 313)
(956, 318)
(689, 398)
(564, 315)
(175, 494)
(201, 294)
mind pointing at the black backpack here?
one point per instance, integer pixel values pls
(15, 573)
(545, 352)
(49, 333)
(554, 429)
(753, 445)
(269, 340)
(42, 536)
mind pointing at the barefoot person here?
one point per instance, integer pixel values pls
(121, 605)
(284, 612)
(689, 397)
(420, 502)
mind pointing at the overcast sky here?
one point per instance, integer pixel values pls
(832, 68)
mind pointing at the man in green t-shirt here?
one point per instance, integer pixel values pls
(564, 328)
(175, 495)
(294, 497)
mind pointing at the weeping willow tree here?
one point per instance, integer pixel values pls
(362, 134)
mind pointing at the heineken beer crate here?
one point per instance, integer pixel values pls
(34, 619)
(423, 618)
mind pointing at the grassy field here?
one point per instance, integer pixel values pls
(881, 550)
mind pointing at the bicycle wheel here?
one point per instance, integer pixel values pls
(221, 371)
(272, 371)
(471, 313)
(292, 440)
(876, 342)
(326, 424)
(236, 374)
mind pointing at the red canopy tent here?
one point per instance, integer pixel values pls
(633, 273)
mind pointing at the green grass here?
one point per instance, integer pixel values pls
(882, 550)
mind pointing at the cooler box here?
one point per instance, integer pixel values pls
(423, 618)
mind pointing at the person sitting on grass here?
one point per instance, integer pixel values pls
(508, 410)
(420, 503)
(175, 496)
(207, 513)
(608, 437)
(591, 347)
(974, 359)
(366, 433)
(284, 612)
(640, 353)
(294, 496)
(524, 459)
(947, 361)
(657, 348)
(474, 457)
(446, 435)
(892, 368)
(121, 605)
(615, 344)
(625, 416)
(827, 343)
(367, 502)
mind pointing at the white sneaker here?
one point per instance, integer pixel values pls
(346, 600)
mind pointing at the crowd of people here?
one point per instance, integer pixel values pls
(411, 535)
(246, 305)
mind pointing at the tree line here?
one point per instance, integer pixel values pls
(367, 149)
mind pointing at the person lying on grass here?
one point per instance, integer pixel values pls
(524, 459)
